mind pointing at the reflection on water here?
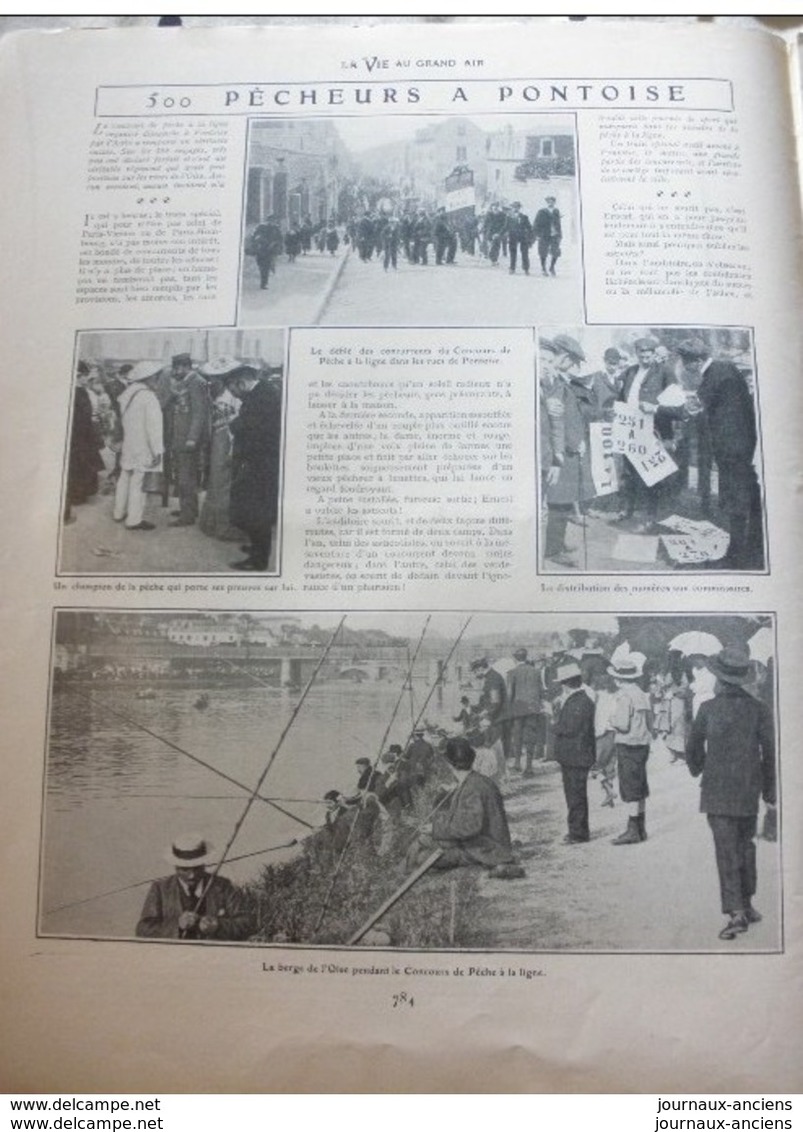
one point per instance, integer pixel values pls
(116, 795)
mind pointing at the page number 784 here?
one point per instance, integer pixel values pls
(402, 999)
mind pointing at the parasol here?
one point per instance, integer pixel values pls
(695, 642)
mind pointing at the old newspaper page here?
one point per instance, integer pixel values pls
(400, 529)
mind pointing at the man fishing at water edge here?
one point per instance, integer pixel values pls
(192, 903)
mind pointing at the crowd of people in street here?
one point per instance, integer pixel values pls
(703, 413)
(206, 436)
(498, 234)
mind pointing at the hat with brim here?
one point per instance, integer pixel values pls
(565, 344)
(190, 850)
(478, 665)
(142, 371)
(646, 344)
(693, 349)
(568, 672)
(548, 199)
(627, 670)
(225, 368)
(731, 666)
(613, 355)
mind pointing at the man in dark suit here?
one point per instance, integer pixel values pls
(549, 233)
(256, 458)
(266, 242)
(732, 746)
(519, 237)
(730, 416)
(191, 904)
(575, 748)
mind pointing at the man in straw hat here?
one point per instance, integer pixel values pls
(732, 746)
(142, 447)
(190, 904)
(631, 720)
(575, 747)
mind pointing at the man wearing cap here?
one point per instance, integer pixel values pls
(549, 233)
(730, 422)
(574, 747)
(190, 431)
(191, 904)
(142, 446)
(492, 705)
(519, 237)
(255, 459)
(642, 384)
(732, 746)
(525, 707)
(471, 826)
(631, 720)
(566, 478)
(419, 759)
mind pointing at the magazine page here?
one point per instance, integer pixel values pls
(399, 631)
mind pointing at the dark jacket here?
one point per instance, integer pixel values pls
(474, 820)
(547, 225)
(729, 412)
(166, 900)
(732, 745)
(256, 457)
(573, 731)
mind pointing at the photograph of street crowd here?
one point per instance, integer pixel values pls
(411, 221)
(649, 450)
(525, 781)
(174, 451)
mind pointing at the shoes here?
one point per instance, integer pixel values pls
(631, 836)
(570, 839)
(511, 871)
(182, 523)
(752, 916)
(246, 564)
(736, 925)
(563, 558)
(143, 526)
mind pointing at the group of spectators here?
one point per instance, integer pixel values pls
(208, 436)
(704, 415)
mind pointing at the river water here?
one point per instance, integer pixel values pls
(116, 796)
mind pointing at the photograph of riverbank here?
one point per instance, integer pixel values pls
(400, 780)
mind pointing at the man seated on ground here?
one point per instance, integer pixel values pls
(470, 826)
(193, 904)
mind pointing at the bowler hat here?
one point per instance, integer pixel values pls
(182, 360)
(646, 344)
(693, 348)
(731, 666)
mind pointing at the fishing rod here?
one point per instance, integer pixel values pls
(407, 679)
(266, 684)
(195, 758)
(151, 880)
(221, 798)
(255, 793)
(436, 854)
